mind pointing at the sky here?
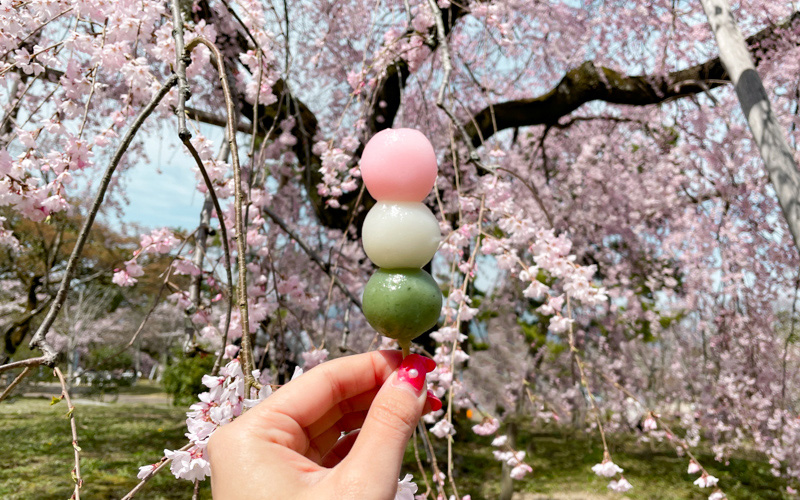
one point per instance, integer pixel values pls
(162, 191)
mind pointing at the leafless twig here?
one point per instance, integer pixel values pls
(25, 362)
(156, 469)
(15, 382)
(76, 472)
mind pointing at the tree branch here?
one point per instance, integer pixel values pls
(156, 469)
(225, 248)
(326, 268)
(182, 59)
(212, 119)
(24, 373)
(248, 363)
(25, 362)
(588, 83)
(767, 133)
(38, 340)
(76, 472)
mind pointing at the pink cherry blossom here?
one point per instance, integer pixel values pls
(443, 428)
(520, 471)
(406, 488)
(487, 427)
(706, 481)
(314, 357)
(620, 486)
(606, 468)
(500, 440)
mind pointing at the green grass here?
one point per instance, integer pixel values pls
(562, 463)
(36, 453)
(36, 458)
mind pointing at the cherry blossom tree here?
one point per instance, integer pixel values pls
(613, 250)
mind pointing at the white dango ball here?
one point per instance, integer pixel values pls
(398, 234)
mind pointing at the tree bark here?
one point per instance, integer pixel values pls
(767, 133)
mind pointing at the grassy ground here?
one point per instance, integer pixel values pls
(562, 469)
(36, 455)
(36, 459)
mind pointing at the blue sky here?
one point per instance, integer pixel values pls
(162, 191)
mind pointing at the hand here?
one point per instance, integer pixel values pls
(290, 445)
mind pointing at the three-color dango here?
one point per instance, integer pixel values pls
(400, 235)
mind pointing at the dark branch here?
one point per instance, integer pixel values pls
(212, 119)
(588, 83)
(326, 268)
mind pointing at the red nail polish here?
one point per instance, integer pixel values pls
(430, 364)
(436, 403)
(412, 371)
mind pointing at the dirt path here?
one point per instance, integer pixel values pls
(145, 399)
(78, 396)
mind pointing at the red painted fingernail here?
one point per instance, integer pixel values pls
(412, 371)
(436, 403)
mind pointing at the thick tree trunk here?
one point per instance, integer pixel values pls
(767, 133)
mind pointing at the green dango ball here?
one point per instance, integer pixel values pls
(402, 303)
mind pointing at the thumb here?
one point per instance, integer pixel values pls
(378, 451)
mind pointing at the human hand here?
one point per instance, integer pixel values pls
(290, 445)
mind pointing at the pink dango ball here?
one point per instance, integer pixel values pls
(399, 164)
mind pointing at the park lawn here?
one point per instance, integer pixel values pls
(36, 459)
(562, 463)
(36, 453)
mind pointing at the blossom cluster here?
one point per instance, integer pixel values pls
(221, 404)
(607, 468)
(512, 458)
(338, 176)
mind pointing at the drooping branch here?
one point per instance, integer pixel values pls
(157, 467)
(248, 363)
(38, 340)
(76, 471)
(589, 82)
(200, 239)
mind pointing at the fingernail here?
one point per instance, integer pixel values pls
(412, 371)
(436, 403)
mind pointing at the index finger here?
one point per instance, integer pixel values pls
(309, 397)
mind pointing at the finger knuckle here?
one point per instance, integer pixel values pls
(395, 413)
